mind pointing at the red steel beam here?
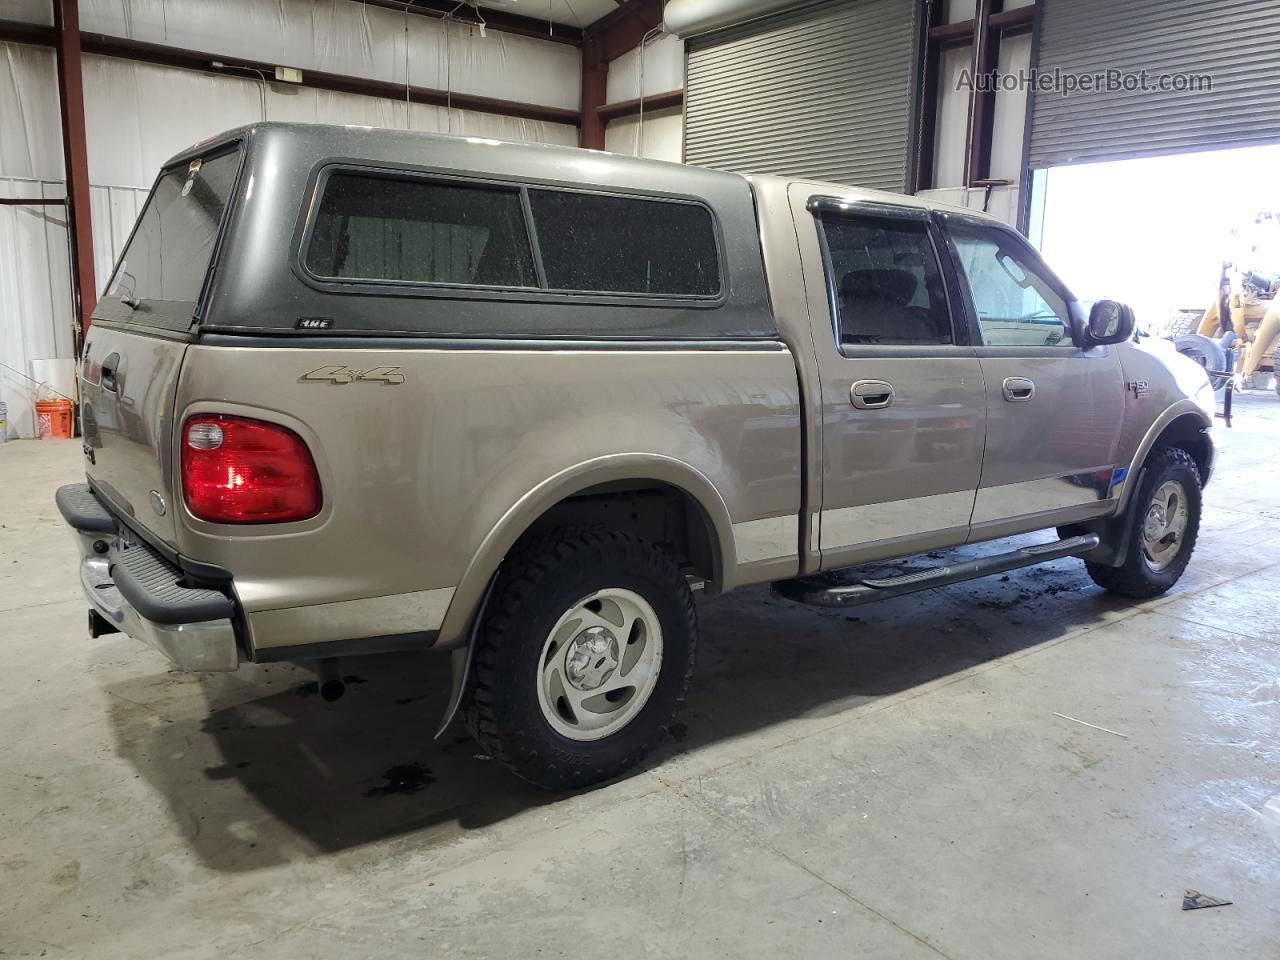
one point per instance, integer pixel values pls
(595, 80)
(500, 20)
(75, 154)
(630, 108)
(126, 49)
(607, 39)
(928, 120)
(1017, 20)
(18, 32)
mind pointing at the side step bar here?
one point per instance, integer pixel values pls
(815, 592)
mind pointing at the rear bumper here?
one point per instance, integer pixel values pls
(141, 594)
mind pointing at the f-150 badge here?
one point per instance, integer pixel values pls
(390, 376)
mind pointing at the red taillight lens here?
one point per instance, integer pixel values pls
(246, 471)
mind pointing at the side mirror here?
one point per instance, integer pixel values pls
(1110, 321)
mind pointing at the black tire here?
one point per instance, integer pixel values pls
(1183, 322)
(539, 582)
(1136, 577)
(1207, 352)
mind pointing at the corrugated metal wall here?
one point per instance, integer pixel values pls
(823, 92)
(1232, 41)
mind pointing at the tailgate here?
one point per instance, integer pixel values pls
(127, 386)
(142, 325)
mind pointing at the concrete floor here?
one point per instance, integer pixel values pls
(892, 783)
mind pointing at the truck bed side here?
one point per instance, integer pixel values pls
(428, 482)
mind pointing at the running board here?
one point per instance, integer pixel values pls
(815, 593)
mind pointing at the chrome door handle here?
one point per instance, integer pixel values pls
(1018, 389)
(871, 394)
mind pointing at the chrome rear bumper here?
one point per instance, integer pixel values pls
(173, 618)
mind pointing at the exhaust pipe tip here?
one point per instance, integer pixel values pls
(332, 686)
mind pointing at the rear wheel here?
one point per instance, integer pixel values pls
(1165, 520)
(583, 658)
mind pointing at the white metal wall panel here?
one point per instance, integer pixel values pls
(824, 91)
(1232, 41)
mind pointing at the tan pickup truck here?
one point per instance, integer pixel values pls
(353, 391)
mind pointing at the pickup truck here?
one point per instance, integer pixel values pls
(354, 391)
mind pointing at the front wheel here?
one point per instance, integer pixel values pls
(583, 657)
(1165, 519)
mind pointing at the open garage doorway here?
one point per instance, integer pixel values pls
(1155, 231)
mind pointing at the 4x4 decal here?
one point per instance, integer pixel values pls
(385, 375)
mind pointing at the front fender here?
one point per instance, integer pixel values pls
(1175, 411)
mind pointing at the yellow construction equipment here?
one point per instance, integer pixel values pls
(1253, 315)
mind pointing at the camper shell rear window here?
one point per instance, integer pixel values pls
(374, 227)
(160, 277)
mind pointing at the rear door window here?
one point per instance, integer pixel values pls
(388, 229)
(886, 285)
(609, 244)
(161, 274)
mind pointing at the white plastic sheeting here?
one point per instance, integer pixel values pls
(953, 114)
(347, 37)
(1010, 111)
(662, 62)
(660, 134)
(30, 136)
(34, 287)
(951, 134)
(35, 280)
(659, 137)
(138, 115)
(27, 11)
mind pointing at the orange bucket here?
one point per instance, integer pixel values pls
(53, 419)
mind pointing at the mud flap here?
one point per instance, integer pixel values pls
(1115, 532)
(460, 661)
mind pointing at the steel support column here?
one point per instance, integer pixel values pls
(75, 154)
(595, 82)
(607, 39)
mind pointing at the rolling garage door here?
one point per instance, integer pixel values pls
(823, 91)
(1233, 42)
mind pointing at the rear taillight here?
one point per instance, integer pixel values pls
(245, 471)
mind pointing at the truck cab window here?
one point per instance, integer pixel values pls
(1016, 304)
(886, 287)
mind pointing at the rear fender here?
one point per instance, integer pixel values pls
(525, 512)
(462, 622)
